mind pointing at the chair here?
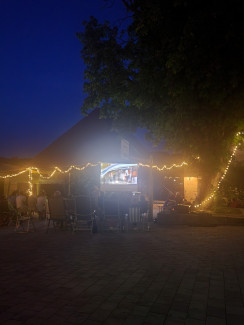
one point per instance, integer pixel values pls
(111, 214)
(138, 219)
(24, 219)
(57, 213)
(83, 220)
(134, 219)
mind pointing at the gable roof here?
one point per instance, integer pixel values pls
(12, 165)
(90, 140)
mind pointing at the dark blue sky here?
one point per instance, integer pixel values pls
(41, 69)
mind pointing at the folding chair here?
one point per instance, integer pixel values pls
(111, 215)
(24, 219)
(57, 213)
(134, 219)
(83, 220)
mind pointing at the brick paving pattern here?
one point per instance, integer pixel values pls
(170, 276)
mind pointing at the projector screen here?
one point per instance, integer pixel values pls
(120, 177)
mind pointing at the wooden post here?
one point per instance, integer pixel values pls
(151, 188)
(69, 186)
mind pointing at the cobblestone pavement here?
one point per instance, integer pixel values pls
(170, 275)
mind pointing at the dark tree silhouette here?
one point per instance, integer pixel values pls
(176, 69)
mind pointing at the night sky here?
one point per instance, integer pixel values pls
(41, 69)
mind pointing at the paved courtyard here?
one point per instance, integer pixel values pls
(170, 275)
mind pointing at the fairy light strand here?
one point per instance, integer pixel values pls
(57, 169)
(164, 167)
(223, 176)
(29, 191)
(14, 175)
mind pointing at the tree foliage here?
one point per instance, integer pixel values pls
(176, 69)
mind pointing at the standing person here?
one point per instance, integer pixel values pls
(97, 197)
(21, 203)
(143, 203)
(12, 201)
(32, 202)
(41, 205)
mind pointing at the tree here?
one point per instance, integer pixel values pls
(176, 69)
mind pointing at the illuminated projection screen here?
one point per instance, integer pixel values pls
(119, 177)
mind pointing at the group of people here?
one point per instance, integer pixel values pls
(23, 204)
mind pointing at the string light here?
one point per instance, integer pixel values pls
(30, 183)
(14, 175)
(57, 169)
(164, 167)
(223, 176)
